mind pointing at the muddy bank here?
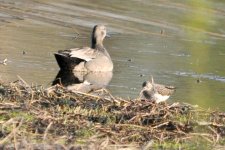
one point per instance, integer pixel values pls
(36, 116)
(176, 42)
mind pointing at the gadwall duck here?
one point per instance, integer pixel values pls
(87, 59)
(156, 92)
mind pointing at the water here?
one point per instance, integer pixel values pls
(178, 43)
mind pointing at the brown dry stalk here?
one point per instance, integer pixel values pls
(59, 114)
(46, 131)
(12, 134)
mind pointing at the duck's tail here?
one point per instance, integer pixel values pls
(65, 62)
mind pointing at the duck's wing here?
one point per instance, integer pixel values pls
(85, 53)
(163, 89)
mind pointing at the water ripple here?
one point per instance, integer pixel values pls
(209, 76)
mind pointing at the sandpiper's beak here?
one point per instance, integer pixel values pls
(152, 79)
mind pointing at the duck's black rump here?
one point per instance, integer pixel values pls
(65, 62)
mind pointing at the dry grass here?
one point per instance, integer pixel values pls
(54, 118)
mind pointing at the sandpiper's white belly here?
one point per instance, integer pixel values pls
(160, 98)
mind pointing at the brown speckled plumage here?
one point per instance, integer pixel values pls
(163, 89)
(156, 92)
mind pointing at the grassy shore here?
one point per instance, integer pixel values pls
(54, 118)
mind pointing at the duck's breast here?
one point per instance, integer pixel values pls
(101, 63)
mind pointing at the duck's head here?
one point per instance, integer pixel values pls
(98, 35)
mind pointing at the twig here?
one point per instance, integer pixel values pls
(214, 131)
(104, 144)
(5, 105)
(14, 137)
(203, 135)
(10, 135)
(90, 95)
(46, 131)
(133, 125)
(129, 136)
(162, 124)
(26, 86)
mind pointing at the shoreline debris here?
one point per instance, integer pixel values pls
(33, 113)
(4, 62)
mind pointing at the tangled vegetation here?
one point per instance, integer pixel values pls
(55, 118)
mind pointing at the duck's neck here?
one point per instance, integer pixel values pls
(97, 44)
(100, 47)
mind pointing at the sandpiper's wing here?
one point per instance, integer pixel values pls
(163, 89)
(85, 53)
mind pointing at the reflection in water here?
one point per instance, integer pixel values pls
(200, 52)
(83, 81)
